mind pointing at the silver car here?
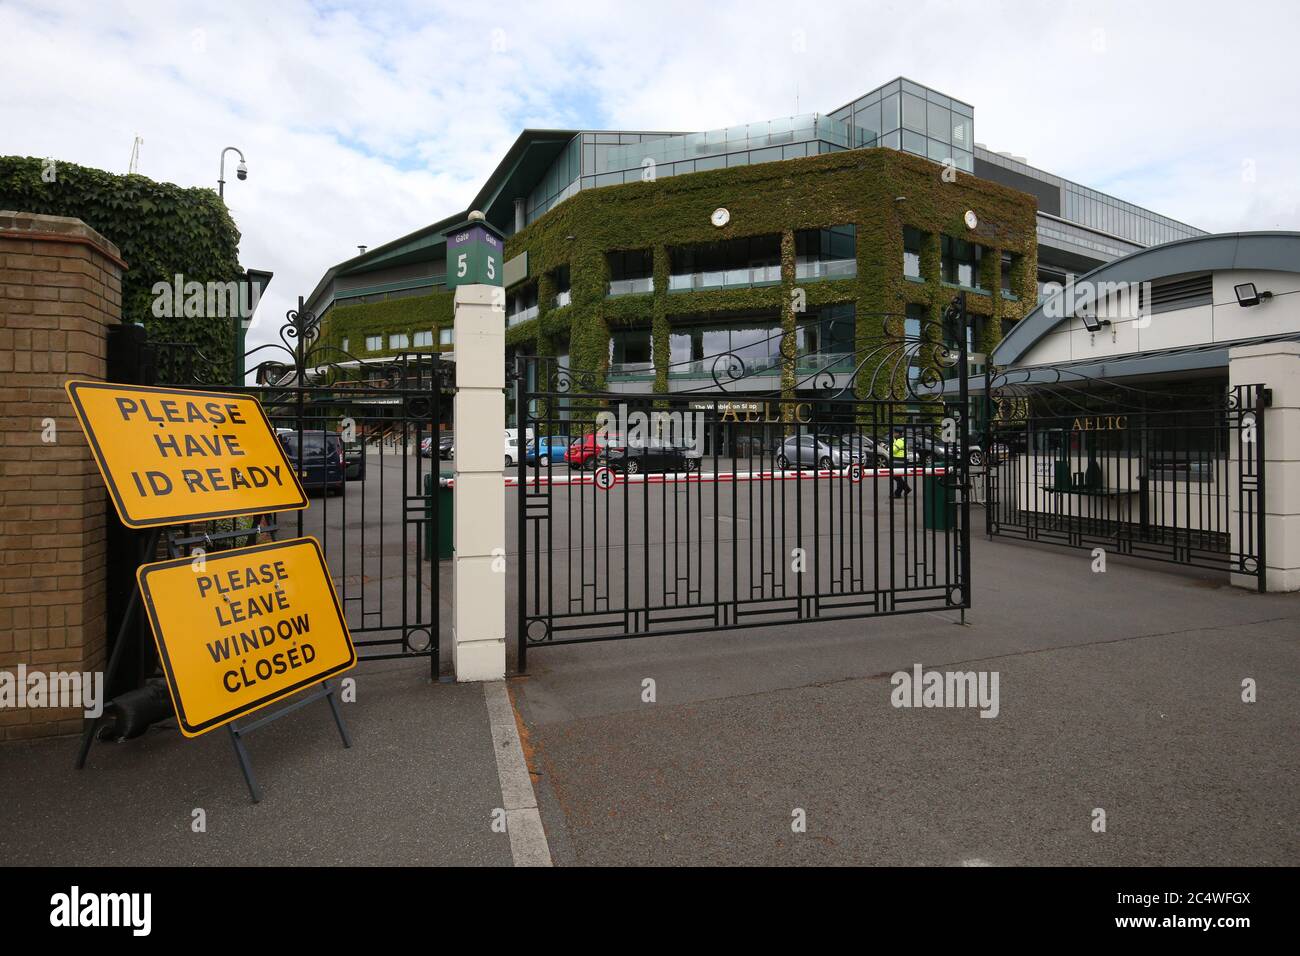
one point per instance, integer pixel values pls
(809, 451)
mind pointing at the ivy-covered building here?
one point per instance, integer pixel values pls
(641, 256)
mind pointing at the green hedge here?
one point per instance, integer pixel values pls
(160, 229)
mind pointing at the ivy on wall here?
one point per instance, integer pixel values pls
(160, 229)
(410, 314)
(878, 190)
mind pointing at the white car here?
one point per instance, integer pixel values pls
(512, 447)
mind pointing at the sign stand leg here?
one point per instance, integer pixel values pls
(237, 733)
(338, 716)
(245, 765)
(115, 659)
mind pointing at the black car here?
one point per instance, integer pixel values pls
(652, 458)
(321, 466)
(446, 445)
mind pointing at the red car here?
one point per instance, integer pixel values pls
(584, 452)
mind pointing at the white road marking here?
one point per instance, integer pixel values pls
(528, 846)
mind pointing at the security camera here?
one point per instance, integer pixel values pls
(242, 170)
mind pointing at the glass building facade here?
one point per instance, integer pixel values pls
(1078, 228)
(916, 119)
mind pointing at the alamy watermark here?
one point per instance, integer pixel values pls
(204, 300)
(61, 689)
(658, 429)
(1115, 301)
(922, 688)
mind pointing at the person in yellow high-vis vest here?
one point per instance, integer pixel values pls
(898, 460)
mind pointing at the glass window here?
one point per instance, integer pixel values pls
(374, 343)
(889, 114)
(960, 262)
(631, 347)
(913, 113)
(399, 340)
(344, 345)
(912, 323)
(446, 336)
(423, 338)
(913, 239)
(914, 142)
(868, 120)
(679, 348)
(938, 122)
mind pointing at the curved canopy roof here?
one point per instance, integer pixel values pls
(1263, 251)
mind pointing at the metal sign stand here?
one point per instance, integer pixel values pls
(237, 733)
(176, 548)
(115, 659)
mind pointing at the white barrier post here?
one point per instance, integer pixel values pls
(478, 568)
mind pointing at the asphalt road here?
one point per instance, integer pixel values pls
(1119, 692)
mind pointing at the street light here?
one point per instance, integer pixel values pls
(241, 170)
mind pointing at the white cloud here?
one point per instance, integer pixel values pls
(362, 122)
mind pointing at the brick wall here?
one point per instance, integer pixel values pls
(60, 291)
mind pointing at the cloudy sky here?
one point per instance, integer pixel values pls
(363, 122)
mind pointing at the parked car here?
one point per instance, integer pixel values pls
(446, 445)
(931, 449)
(810, 451)
(649, 458)
(511, 447)
(321, 466)
(550, 449)
(354, 460)
(584, 452)
(861, 449)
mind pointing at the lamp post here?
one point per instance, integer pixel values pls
(241, 171)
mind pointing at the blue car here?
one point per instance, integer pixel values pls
(552, 449)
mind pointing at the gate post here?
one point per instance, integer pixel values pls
(478, 580)
(1275, 534)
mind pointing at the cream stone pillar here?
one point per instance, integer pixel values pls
(479, 535)
(1276, 366)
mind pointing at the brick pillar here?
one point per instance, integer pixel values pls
(60, 291)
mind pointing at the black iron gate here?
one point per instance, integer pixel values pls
(373, 509)
(729, 506)
(1143, 472)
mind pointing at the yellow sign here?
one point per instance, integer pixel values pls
(237, 630)
(170, 455)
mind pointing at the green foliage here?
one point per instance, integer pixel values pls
(410, 314)
(859, 186)
(160, 229)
